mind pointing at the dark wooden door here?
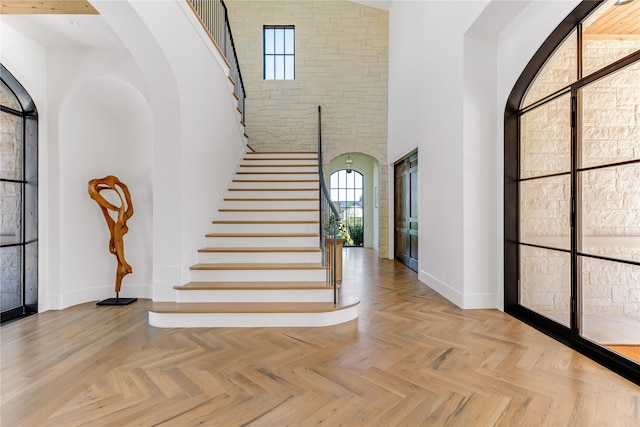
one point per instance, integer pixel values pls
(406, 211)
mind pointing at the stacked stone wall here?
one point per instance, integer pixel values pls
(341, 64)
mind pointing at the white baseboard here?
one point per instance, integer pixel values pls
(464, 301)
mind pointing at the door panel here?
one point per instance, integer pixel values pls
(406, 211)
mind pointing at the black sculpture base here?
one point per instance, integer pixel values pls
(117, 301)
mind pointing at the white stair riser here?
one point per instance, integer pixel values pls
(257, 275)
(256, 295)
(313, 156)
(251, 320)
(265, 228)
(264, 216)
(280, 162)
(273, 194)
(270, 204)
(278, 169)
(256, 175)
(276, 185)
(262, 242)
(259, 257)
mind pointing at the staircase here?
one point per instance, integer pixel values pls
(262, 264)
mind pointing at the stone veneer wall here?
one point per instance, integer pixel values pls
(610, 196)
(341, 64)
(10, 202)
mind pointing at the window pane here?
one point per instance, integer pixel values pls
(545, 282)
(10, 146)
(289, 68)
(334, 180)
(8, 99)
(269, 67)
(610, 106)
(279, 68)
(545, 139)
(545, 210)
(342, 195)
(289, 43)
(610, 311)
(560, 71)
(358, 196)
(269, 46)
(10, 277)
(609, 34)
(611, 212)
(358, 181)
(11, 212)
(279, 41)
(350, 179)
(334, 195)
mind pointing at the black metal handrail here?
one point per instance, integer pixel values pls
(329, 220)
(215, 18)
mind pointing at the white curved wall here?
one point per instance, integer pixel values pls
(105, 128)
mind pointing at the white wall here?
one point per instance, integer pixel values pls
(451, 68)
(105, 129)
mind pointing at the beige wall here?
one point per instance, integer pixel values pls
(341, 65)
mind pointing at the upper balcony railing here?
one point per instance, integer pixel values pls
(214, 17)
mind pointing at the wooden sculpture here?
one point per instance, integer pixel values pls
(118, 228)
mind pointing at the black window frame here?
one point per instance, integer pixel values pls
(570, 336)
(28, 240)
(276, 55)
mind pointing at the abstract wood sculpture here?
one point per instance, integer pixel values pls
(117, 228)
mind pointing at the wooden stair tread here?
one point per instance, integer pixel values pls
(259, 249)
(281, 152)
(271, 199)
(269, 210)
(279, 285)
(282, 158)
(254, 307)
(258, 266)
(276, 180)
(274, 221)
(311, 165)
(275, 173)
(273, 189)
(258, 235)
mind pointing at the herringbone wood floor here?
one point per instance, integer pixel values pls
(411, 359)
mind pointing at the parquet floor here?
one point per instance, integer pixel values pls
(411, 359)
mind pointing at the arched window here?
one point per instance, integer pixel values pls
(347, 192)
(19, 199)
(572, 185)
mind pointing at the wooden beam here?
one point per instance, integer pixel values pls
(41, 7)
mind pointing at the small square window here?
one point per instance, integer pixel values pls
(279, 52)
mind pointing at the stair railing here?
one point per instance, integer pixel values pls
(215, 19)
(329, 220)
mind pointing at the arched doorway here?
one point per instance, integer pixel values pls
(572, 193)
(347, 192)
(19, 196)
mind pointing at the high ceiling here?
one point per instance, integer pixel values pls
(616, 22)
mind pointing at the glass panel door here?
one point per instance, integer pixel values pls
(608, 178)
